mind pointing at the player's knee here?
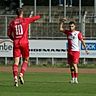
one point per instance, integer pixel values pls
(72, 68)
(26, 60)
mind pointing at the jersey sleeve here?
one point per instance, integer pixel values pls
(32, 19)
(80, 36)
(35, 18)
(10, 30)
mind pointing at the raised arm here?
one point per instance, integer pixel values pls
(62, 29)
(34, 18)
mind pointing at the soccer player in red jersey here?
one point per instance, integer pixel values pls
(73, 52)
(18, 33)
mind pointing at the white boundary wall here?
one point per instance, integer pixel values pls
(47, 48)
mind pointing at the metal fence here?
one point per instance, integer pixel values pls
(43, 29)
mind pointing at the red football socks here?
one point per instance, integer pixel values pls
(72, 75)
(76, 75)
(23, 68)
(15, 70)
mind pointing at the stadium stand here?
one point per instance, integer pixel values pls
(42, 26)
(40, 29)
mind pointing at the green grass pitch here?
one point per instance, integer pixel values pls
(48, 84)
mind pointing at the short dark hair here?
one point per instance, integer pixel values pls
(19, 11)
(72, 22)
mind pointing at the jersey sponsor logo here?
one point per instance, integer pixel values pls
(72, 36)
(89, 46)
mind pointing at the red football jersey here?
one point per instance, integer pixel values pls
(18, 28)
(73, 39)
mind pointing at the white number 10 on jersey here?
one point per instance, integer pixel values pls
(19, 29)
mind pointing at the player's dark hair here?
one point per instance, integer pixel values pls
(19, 11)
(72, 22)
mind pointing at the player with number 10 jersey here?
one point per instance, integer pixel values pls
(18, 32)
